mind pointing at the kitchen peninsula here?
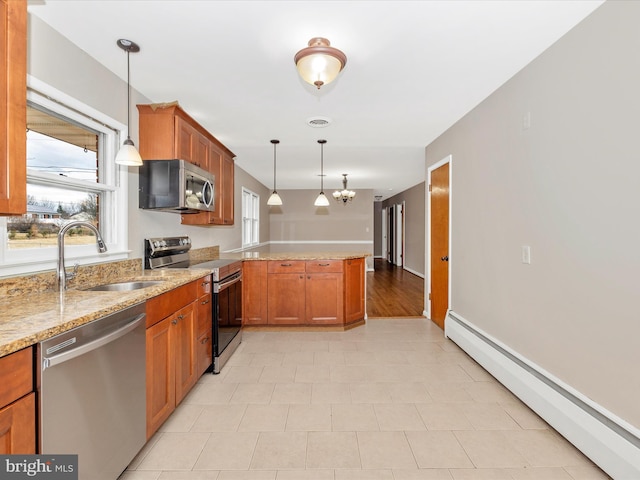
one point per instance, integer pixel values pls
(309, 289)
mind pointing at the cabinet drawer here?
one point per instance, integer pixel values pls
(324, 266)
(286, 266)
(16, 375)
(166, 304)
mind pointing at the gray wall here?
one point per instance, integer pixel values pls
(55, 60)
(344, 227)
(569, 187)
(414, 222)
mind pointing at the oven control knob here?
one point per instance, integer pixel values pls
(163, 243)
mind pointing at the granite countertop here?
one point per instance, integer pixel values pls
(269, 255)
(30, 318)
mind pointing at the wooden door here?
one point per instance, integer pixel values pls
(324, 298)
(18, 427)
(439, 255)
(13, 112)
(186, 356)
(161, 392)
(286, 298)
(228, 172)
(354, 296)
(254, 293)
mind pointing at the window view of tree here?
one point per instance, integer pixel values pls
(58, 152)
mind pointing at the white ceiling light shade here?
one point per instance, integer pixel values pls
(345, 195)
(319, 63)
(322, 200)
(128, 155)
(274, 199)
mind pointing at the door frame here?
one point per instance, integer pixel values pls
(399, 237)
(427, 284)
(385, 247)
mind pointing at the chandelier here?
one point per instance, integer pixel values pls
(345, 195)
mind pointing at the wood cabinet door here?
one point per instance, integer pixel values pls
(354, 277)
(184, 140)
(324, 298)
(161, 392)
(215, 167)
(18, 426)
(254, 293)
(200, 151)
(228, 172)
(285, 299)
(13, 107)
(184, 324)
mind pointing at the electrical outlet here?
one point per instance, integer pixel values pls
(526, 254)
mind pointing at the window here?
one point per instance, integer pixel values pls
(250, 218)
(71, 176)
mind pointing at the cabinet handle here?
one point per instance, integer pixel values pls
(204, 302)
(204, 284)
(285, 265)
(324, 264)
(180, 317)
(204, 340)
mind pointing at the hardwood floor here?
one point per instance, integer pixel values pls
(393, 292)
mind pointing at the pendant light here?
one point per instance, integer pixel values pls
(322, 200)
(319, 63)
(128, 155)
(274, 199)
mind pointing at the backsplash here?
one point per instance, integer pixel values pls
(89, 275)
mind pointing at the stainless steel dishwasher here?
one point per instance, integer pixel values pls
(93, 393)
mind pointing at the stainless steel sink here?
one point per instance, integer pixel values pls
(123, 287)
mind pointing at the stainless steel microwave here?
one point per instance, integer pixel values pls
(175, 186)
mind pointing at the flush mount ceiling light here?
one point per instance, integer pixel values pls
(274, 199)
(128, 155)
(319, 63)
(345, 195)
(322, 200)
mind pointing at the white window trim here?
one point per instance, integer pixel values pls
(115, 180)
(255, 230)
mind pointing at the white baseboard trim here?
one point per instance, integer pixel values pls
(421, 275)
(610, 442)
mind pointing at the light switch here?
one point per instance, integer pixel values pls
(526, 254)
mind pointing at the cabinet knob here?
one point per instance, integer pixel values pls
(174, 321)
(204, 340)
(204, 302)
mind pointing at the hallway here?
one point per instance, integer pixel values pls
(393, 292)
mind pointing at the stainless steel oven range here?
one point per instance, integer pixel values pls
(226, 297)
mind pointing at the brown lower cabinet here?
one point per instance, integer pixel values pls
(171, 352)
(204, 331)
(17, 404)
(299, 292)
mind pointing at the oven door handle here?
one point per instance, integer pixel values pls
(219, 286)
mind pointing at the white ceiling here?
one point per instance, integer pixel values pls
(413, 69)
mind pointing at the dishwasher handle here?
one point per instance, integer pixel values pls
(48, 362)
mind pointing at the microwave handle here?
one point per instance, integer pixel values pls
(207, 199)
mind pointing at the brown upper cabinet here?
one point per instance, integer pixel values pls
(13, 107)
(168, 132)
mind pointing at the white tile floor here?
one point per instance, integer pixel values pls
(391, 400)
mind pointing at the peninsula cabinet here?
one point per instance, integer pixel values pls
(303, 292)
(286, 292)
(171, 352)
(168, 132)
(17, 404)
(13, 107)
(254, 293)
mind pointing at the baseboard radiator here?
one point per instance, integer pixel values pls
(608, 441)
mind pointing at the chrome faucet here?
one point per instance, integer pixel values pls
(63, 276)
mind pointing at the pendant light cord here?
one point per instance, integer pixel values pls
(274, 166)
(128, 98)
(321, 167)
